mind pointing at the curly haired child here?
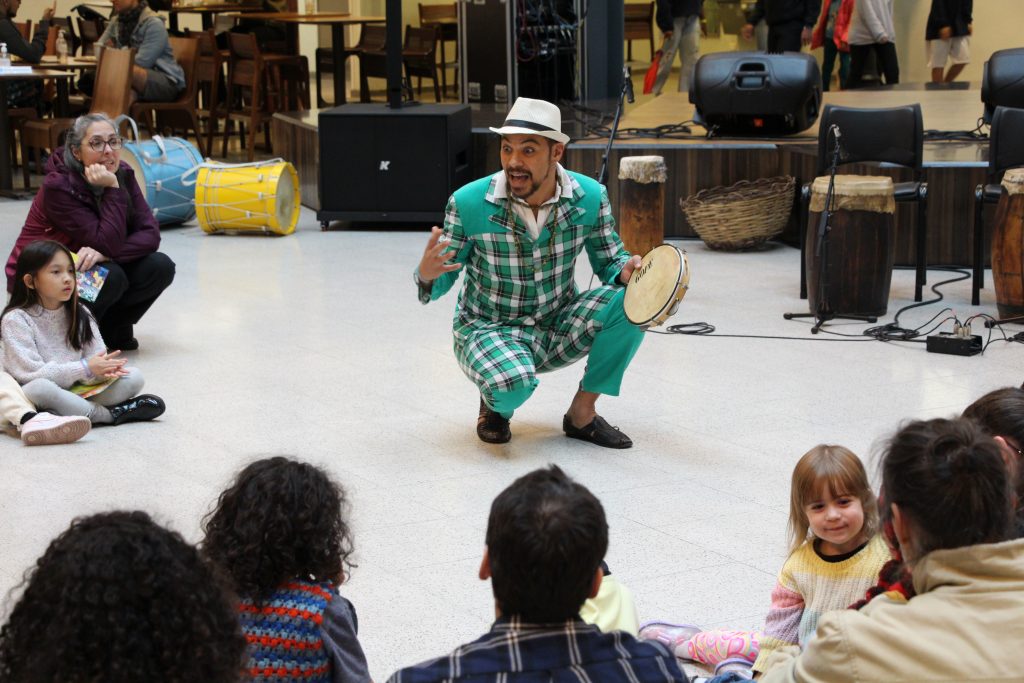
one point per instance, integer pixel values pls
(119, 599)
(281, 535)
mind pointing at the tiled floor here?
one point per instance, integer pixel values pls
(315, 345)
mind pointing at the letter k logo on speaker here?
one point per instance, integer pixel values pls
(384, 165)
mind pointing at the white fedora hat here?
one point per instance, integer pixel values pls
(535, 117)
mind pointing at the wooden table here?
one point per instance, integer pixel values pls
(208, 11)
(83, 63)
(337, 21)
(62, 108)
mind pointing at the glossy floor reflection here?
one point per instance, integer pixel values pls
(315, 345)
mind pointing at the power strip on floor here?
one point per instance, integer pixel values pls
(954, 344)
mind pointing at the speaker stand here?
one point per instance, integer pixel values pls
(627, 87)
(825, 312)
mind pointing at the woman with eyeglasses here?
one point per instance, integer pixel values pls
(91, 203)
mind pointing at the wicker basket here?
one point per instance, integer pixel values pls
(741, 216)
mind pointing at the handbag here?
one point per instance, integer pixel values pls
(652, 73)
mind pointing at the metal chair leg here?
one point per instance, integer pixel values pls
(922, 243)
(978, 281)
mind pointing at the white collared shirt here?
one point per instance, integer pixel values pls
(563, 190)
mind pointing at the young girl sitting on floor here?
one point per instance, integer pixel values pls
(835, 555)
(280, 534)
(51, 343)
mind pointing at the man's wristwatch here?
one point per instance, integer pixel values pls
(424, 285)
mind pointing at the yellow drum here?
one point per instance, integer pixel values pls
(259, 197)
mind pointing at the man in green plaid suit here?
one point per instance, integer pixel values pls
(517, 234)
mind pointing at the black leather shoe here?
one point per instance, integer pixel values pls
(139, 409)
(120, 338)
(491, 427)
(598, 431)
(128, 344)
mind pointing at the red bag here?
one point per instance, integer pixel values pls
(652, 73)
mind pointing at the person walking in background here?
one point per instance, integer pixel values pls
(949, 29)
(679, 20)
(832, 33)
(789, 23)
(872, 30)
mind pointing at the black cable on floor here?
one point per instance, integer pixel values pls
(890, 332)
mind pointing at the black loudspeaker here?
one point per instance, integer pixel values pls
(1002, 81)
(384, 164)
(753, 93)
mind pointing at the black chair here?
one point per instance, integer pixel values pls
(893, 136)
(1005, 151)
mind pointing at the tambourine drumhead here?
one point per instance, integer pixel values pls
(657, 286)
(1013, 181)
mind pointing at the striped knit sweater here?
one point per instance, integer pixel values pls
(808, 586)
(283, 631)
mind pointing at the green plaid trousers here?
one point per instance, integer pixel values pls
(519, 311)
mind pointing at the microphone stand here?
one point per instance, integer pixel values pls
(825, 312)
(627, 88)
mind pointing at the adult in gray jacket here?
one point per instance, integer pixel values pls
(157, 77)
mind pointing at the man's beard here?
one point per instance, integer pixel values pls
(534, 184)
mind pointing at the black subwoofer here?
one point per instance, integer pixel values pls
(753, 93)
(1002, 81)
(384, 164)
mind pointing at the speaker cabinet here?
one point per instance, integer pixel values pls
(753, 93)
(1002, 81)
(384, 164)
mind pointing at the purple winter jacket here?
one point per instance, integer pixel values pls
(119, 224)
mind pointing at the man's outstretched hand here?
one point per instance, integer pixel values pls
(434, 263)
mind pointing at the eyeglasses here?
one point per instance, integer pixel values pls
(114, 142)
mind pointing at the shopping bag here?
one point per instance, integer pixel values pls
(652, 73)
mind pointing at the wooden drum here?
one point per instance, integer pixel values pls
(860, 244)
(1008, 246)
(642, 202)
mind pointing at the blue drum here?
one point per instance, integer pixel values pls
(160, 165)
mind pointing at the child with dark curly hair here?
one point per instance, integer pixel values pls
(119, 599)
(280, 533)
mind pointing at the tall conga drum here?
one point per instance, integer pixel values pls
(1008, 246)
(860, 248)
(641, 222)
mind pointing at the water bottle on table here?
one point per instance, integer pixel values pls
(62, 48)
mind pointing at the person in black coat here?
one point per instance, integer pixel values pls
(679, 20)
(23, 92)
(948, 33)
(790, 23)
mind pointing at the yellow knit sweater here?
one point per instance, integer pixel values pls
(808, 586)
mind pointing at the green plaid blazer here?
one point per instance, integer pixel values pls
(512, 279)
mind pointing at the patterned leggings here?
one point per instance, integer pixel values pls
(504, 361)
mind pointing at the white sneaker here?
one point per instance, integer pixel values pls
(45, 429)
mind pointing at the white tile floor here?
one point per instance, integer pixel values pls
(315, 345)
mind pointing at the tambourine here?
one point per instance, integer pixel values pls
(657, 286)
